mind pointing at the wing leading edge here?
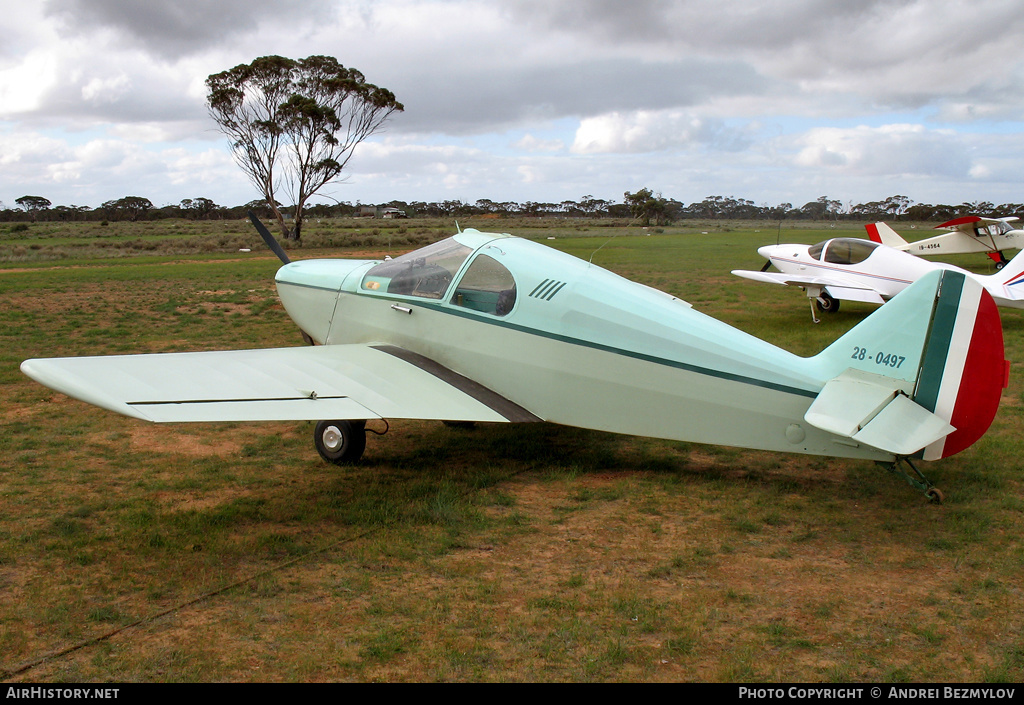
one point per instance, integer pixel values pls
(279, 384)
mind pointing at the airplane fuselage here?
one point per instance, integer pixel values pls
(883, 269)
(595, 350)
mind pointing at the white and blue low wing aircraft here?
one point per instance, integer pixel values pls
(855, 269)
(966, 235)
(493, 328)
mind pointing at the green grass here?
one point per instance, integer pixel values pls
(498, 553)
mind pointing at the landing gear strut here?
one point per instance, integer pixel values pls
(918, 480)
(824, 303)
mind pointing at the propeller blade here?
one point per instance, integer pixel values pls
(766, 266)
(273, 244)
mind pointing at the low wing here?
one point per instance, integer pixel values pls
(283, 384)
(836, 287)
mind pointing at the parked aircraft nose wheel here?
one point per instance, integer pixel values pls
(340, 442)
(935, 495)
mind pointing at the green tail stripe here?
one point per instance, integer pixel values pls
(939, 338)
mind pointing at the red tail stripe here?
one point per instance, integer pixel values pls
(984, 377)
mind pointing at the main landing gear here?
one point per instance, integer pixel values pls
(824, 303)
(918, 480)
(340, 442)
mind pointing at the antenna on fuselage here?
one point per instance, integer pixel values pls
(591, 260)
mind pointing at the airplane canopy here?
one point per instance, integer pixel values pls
(843, 250)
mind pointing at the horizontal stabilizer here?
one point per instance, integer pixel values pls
(874, 410)
(903, 428)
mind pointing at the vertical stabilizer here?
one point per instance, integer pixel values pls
(964, 369)
(883, 234)
(936, 350)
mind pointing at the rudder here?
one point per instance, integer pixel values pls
(883, 234)
(939, 344)
(964, 369)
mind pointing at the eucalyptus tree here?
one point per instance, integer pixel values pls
(131, 208)
(294, 124)
(33, 204)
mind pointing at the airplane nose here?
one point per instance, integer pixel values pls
(766, 251)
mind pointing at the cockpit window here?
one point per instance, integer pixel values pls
(999, 228)
(486, 286)
(843, 250)
(425, 272)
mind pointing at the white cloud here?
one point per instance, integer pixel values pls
(106, 90)
(24, 83)
(529, 143)
(107, 97)
(652, 131)
(888, 150)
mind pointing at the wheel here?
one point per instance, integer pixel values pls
(935, 495)
(827, 304)
(1000, 265)
(340, 442)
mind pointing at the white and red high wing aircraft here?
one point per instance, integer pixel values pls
(854, 269)
(967, 235)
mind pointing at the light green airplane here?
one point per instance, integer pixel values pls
(493, 328)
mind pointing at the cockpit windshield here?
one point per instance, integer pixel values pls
(426, 272)
(842, 250)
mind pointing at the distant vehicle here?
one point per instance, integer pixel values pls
(494, 328)
(968, 234)
(854, 269)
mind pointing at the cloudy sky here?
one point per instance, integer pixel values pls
(535, 100)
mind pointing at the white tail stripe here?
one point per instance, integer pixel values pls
(952, 374)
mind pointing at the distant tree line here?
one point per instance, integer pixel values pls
(642, 207)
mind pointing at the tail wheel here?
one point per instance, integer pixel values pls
(340, 442)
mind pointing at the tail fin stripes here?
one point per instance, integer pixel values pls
(1011, 275)
(939, 343)
(883, 234)
(964, 370)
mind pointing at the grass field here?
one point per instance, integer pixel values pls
(231, 552)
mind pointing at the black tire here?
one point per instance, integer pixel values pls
(826, 304)
(340, 442)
